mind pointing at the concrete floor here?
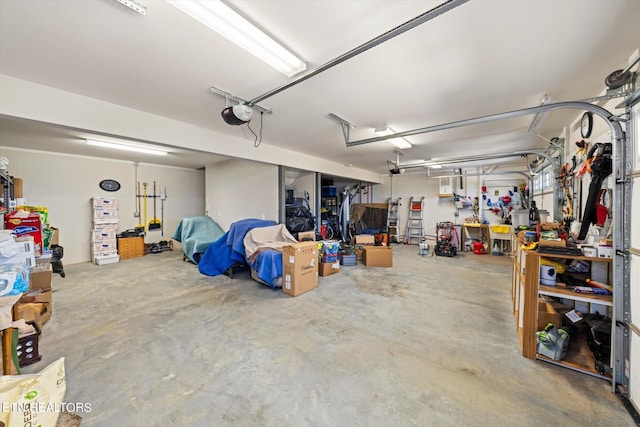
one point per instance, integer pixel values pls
(430, 342)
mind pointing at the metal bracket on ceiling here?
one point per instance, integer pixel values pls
(346, 126)
(228, 96)
(621, 92)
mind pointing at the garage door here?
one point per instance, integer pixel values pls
(633, 358)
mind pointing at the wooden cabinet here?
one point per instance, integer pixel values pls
(526, 294)
(6, 192)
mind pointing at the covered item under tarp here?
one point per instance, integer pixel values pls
(263, 250)
(369, 216)
(196, 234)
(228, 250)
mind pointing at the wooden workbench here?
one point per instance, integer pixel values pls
(482, 233)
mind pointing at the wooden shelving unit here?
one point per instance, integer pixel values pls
(525, 292)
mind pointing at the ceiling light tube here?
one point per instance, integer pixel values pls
(398, 142)
(125, 147)
(233, 26)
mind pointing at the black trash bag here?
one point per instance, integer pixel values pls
(56, 263)
(299, 218)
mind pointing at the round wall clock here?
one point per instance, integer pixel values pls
(586, 124)
(109, 185)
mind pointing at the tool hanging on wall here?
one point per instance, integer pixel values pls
(163, 197)
(144, 224)
(139, 196)
(155, 223)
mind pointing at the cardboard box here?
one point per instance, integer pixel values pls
(365, 239)
(25, 223)
(99, 202)
(378, 256)
(550, 242)
(32, 312)
(26, 252)
(106, 245)
(106, 258)
(108, 213)
(547, 314)
(304, 236)
(18, 186)
(328, 268)
(6, 310)
(299, 268)
(41, 280)
(42, 298)
(42, 264)
(105, 227)
(605, 251)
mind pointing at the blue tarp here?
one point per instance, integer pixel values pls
(229, 250)
(268, 267)
(196, 233)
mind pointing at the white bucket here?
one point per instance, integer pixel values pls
(547, 275)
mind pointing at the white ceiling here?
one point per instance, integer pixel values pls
(483, 57)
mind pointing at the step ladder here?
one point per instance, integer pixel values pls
(393, 219)
(414, 231)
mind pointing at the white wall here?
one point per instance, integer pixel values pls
(438, 209)
(416, 185)
(65, 185)
(20, 98)
(240, 189)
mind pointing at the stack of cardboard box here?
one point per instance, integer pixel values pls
(104, 246)
(36, 304)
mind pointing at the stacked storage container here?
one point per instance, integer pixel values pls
(104, 246)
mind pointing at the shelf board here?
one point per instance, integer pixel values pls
(579, 358)
(580, 257)
(555, 291)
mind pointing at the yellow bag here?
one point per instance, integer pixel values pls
(560, 268)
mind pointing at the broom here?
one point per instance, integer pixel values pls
(139, 196)
(155, 223)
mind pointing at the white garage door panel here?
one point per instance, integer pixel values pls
(634, 260)
(634, 384)
(635, 290)
(635, 209)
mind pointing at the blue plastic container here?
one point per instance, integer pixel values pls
(329, 191)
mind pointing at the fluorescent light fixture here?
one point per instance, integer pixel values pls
(398, 142)
(231, 25)
(125, 147)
